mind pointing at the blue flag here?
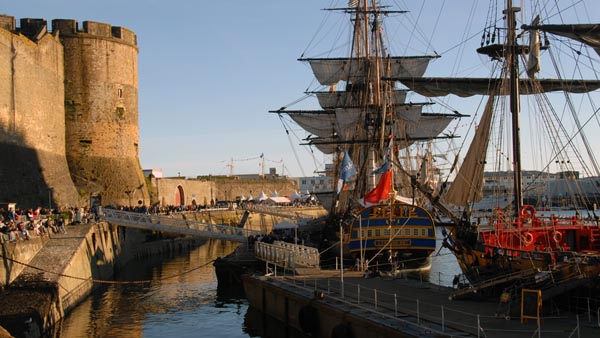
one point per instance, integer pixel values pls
(348, 170)
(383, 169)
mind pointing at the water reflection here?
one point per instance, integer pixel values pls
(182, 299)
(179, 299)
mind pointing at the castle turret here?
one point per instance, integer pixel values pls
(33, 166)
(101, 108)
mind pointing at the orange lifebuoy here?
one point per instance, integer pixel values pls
(528, 238)
(557, 236)
(527, 211)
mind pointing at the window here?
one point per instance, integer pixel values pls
(120, 111)
(120, 92)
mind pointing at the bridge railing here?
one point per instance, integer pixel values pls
(163, 223)
(305, 255)
(275, 254)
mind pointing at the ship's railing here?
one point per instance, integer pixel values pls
(286, 255)
(180, 226)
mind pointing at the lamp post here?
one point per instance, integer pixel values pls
(50, 198)
(342, 257)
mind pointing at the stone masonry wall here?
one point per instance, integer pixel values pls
(170, 189)
(32, 127)
(101, 107)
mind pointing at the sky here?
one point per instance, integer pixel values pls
(209, 71)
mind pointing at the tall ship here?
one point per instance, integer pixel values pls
(376, 138)
(516, 244)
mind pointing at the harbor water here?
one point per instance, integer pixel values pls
(180, 298)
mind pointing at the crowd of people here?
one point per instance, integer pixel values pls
(22, 224)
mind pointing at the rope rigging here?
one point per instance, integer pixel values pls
(104, 281)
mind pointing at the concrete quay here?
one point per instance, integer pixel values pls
(377, 307)
(45, 277)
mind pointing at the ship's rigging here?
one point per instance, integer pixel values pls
(360, 111)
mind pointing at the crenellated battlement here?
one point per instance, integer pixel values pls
(34, 28)
(98, 29)
(8, 23)
(82, 85)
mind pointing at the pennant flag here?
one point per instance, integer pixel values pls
(381, 191)
(348, 170)
(533, 63)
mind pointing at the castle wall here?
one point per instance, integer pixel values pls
(101, 108)
(32, 125)
(170, 189)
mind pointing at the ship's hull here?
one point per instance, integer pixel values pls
(527, 245)
(393, 237)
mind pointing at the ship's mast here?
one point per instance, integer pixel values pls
(513, 64)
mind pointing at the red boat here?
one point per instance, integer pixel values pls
(516, 248)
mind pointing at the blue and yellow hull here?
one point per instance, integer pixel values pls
(404, 231)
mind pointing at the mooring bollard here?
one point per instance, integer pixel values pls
(358, 294)
(395, 305)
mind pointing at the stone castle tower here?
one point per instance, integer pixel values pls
(69, 113)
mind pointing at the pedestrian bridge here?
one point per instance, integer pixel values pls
(178, 226)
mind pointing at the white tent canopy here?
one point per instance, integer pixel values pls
(279, 200)
(261, 197)
(295, 196)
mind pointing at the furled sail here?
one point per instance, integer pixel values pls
(330, 71)
(325, 123)
(427, 127)
(339, 99)
(586, 33)
(341, 122)
(464, 87)
(320, 123)
(468, 184)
